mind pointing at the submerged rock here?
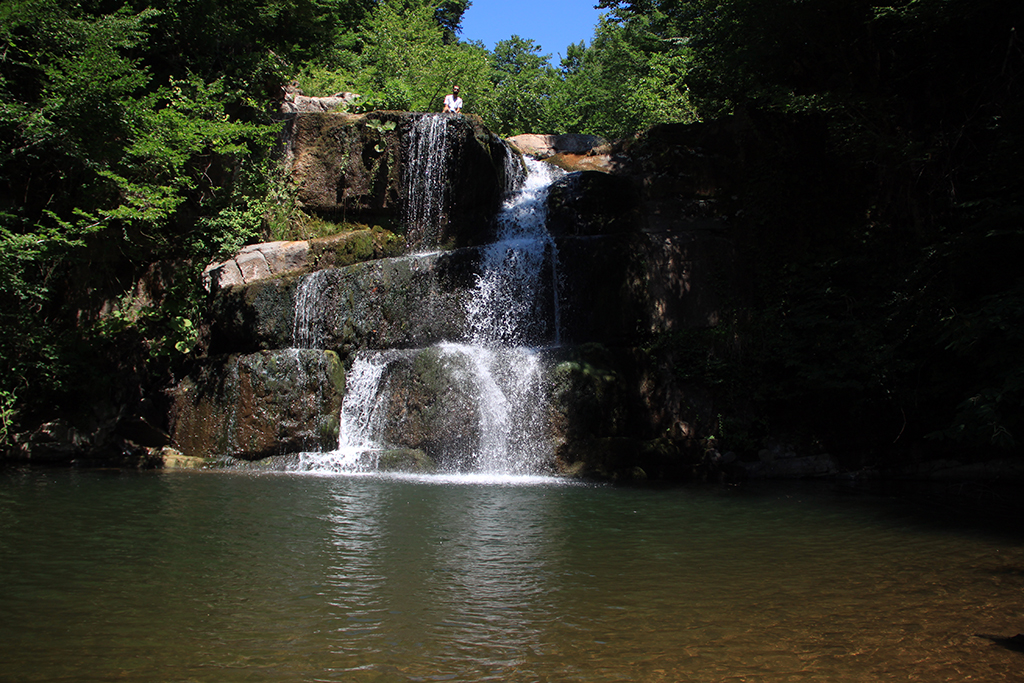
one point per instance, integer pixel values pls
(405, 460)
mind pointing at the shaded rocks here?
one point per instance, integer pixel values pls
(620, 289)
(53, 441)
(792, 466)
(592, 203)
(616, 414)
(256, 405)
(345, 163)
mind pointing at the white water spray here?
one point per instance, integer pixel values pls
(515, 300)
(362, 411)
(426, 178)
(306, 324)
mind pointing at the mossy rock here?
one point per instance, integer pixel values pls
(255, 405)
(352, 167)
(406, 460)
(338, 251)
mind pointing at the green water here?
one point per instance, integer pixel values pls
(215, 576)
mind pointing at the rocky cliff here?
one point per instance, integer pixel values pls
(637, 261)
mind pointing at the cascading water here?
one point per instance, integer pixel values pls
(426, 178)
(511, 313)
(361, 414)
(508, 384)
(515, 301)
(306, 324)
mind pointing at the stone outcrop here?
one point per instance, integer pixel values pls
(255, 405)
(256, 262)
(544, 146)
(352, 167)
(401, 302)
(570, 152)
(270, 259)
(621, 289)
(615, 289)
(593, 203)
(297, 103)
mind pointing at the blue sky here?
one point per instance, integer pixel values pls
(551, 23)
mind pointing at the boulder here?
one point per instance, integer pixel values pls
(256, 405)
(544, 146)
(256, 262)
(296, 103)
(405, 460)
(53, 441)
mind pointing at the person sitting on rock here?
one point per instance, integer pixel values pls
(452, 102)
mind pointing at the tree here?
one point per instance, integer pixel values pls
(628, 79)
(106, 170)
(522, 81)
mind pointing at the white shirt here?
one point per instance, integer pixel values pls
(453, 102)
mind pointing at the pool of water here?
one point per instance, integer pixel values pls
(220, 576)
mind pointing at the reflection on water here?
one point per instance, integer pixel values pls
(228, 576)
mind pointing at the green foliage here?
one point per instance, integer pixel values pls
(105, 171)
(633, 79)
(405, 58)
(522, 82)
(7, 416)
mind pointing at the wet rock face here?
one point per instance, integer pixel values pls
(353, 166)
(625, 414)
(402, 302)
(256, 405)
(430, 407)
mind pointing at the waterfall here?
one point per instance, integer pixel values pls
(306, 323)
(515, 301)
(515, 171)
(490, 385)
(509, 389)
(361, 414)
(426, 178)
